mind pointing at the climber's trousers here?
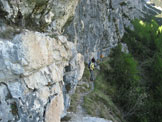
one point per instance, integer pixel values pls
(92, 77)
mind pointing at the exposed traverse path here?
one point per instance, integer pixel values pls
(80, 115)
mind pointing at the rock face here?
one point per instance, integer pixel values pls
(31, 51)
(42, 14)
(73, 73)
(99, 25)
(34, 79)
(39, 68)
(95, 26)
(31, 76)
(55, 109)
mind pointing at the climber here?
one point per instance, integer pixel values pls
(91, 66)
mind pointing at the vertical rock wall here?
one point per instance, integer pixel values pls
(99, 25)
(95, 26)
(31, 77)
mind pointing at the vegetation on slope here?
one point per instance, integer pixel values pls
(117, 93)
(132, 82)
(99, 102)
(145, 44)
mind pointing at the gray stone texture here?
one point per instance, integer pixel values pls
(98, 25)
(31, 83)
(42, 14)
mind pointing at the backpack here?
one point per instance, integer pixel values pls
(92, 66)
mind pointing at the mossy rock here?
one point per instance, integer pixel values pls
(37, 2)
(14, 108)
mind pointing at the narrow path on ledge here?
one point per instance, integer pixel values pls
(80, 115)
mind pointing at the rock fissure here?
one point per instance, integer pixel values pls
(13, 102)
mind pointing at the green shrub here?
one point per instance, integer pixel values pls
(37, 2)
(156, 84)
(141, 41)
(145, 44)
(126, 78)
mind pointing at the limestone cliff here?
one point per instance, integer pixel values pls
(39, 66)
(95, 26)
(38, 14)
(99, 25)
(31, 76)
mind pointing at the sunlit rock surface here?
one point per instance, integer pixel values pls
(32, 70)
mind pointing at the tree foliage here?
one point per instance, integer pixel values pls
(145, 44)
(125, 77)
